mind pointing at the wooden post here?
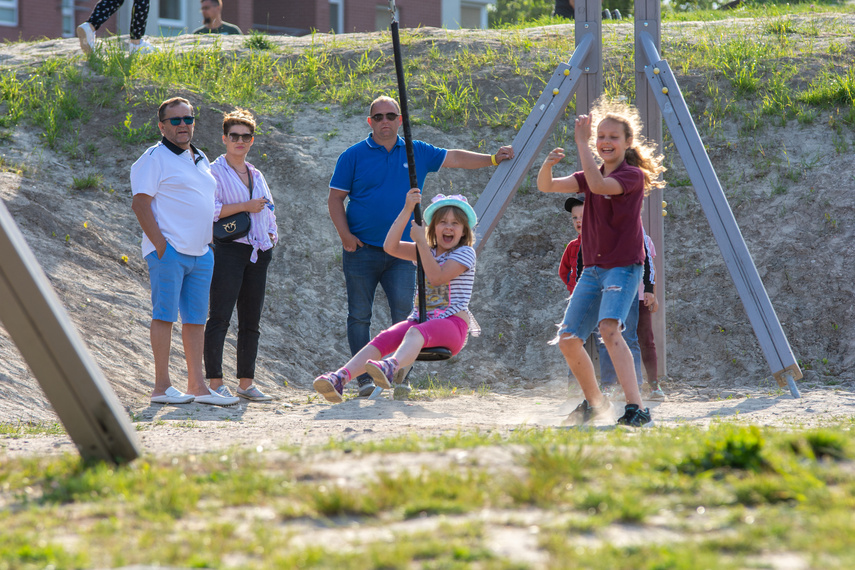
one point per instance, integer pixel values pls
(48, 341)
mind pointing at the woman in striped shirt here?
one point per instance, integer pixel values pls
(240, 266)
(448, 257)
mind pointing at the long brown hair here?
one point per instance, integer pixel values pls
(642, 153)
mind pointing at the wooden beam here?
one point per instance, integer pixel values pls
(48, 341)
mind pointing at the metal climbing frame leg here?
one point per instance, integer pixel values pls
(537, 128)
(738, 260)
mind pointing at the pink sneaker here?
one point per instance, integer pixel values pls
(331, 386)
(385, 372)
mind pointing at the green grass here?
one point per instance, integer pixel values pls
(773, 71)
(725, 497)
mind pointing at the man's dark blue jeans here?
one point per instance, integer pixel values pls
(364, 269)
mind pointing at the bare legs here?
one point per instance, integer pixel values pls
(405, 354)
(580, 363)
(193, 337)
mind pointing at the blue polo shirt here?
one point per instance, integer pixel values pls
(377, 182)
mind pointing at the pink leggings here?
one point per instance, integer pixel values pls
(449, 333)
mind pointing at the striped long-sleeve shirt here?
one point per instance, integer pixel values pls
(232, 190)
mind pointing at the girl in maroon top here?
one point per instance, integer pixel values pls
(612, 250)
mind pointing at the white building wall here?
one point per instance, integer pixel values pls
(451, 12)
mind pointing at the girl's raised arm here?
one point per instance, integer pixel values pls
(393, 244)
(545, 181)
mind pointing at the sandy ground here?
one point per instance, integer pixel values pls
(196, 428)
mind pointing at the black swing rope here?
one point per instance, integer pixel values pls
(437, 353)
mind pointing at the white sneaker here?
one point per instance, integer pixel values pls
(143, 47)
(86, 35)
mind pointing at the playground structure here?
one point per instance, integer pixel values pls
(657, 96)
(92, 414)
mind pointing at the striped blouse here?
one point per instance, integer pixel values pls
(450, 298)
(232, 190)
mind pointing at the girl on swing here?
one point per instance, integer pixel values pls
(448, 258)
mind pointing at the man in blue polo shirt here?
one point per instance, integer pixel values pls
(372, 175)
(173, 200)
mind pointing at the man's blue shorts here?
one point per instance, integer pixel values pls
(180, 284)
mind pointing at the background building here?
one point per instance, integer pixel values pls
(36, 19)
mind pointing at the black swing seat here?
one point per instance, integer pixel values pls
(433, 354)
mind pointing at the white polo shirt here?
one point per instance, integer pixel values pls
(182, 189)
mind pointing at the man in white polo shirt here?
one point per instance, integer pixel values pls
(174, 202)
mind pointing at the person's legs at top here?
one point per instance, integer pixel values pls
(608, 376)
(249, 305)
(102, 11)
(229, 262)
(139, 19)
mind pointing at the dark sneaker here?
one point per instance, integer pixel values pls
(636, 417)
(330, 386)
(586, 414)
(366, 386)
(384, 372)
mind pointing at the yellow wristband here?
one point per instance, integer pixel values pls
(493, 160)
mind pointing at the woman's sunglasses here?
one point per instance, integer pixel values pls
(175, 121)
(234, 137)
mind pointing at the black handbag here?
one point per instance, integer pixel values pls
(236, 226)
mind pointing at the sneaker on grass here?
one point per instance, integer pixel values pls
(586, 414)
(144, 46)
(636, 417)
(86, 35)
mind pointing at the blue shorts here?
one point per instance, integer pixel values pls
(180, 283)
(601, 294)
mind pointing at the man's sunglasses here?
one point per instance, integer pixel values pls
(234, 137)
(175, 121)
(389, 117)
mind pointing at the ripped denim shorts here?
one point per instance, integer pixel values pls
(601, 294)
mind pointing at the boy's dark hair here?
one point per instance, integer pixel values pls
(573, 201)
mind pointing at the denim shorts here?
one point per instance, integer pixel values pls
(180, 284)
(601, 294)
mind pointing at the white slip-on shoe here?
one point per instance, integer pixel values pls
(86, 35)
(173, 396)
